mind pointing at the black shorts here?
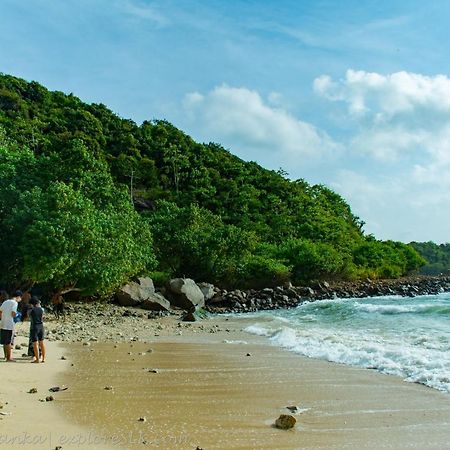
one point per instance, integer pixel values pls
(6, 337)
(37, 333)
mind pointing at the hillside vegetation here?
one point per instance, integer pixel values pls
(437, 256)
(71, 173)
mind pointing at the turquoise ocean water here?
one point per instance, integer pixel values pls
(408, 337)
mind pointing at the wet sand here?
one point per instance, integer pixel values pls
(208, 392)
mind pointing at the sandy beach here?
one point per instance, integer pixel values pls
(208, 385)
(27, 420)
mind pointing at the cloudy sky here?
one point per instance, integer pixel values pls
(353, 94)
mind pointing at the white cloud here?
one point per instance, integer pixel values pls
(396, 207)
(240, 117)
(390, 95)
(402, 120)
(396, 114)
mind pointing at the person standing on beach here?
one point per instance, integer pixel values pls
(37, 329)
(58, 305)
(8, 310)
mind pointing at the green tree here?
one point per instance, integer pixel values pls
(80, 234)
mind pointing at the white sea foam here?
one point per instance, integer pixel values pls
(415, 346)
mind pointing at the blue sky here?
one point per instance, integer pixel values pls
(351, 94)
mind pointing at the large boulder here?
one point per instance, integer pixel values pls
(208, 290)
(135, 292)
(185, 294)
(156, 302)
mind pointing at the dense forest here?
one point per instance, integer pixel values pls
(89, 200)
(437, 256)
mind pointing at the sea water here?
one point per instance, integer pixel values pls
(408, 337)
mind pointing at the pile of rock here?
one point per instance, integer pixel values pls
(180, 293)
(185, 294)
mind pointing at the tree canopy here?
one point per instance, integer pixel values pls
(70, 172)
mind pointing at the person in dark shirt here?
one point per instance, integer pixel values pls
(37, 329)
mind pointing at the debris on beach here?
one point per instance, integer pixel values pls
(49, 398)
(108, 388)
(142, 419)
(58, 388)
(63, 358)
(293, 409)
(32, 391)
(285, 422)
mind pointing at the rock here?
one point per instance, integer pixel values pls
(193, 315)
(185, 294)
(18, 347)
(155, 302)
(285, 422)
(63, 358)
(108, 388)
(49, 398)
(32, 391)
(142, 419)
(134, 293)
(207, 290)
(292, 409)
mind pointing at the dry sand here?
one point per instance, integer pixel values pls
(207, 392)
(25, 421)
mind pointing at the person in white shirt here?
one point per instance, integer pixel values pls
(8, 311)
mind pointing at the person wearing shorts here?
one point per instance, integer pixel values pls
(37, 329)
(8, 310)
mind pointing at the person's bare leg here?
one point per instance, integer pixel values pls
(42, 347)
(8, 352)
(36, 352)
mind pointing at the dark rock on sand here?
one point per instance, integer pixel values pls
(155, 302)
(285, 422)
(292, 409)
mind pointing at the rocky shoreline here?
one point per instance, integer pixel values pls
(135, 319)
(289, 296)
